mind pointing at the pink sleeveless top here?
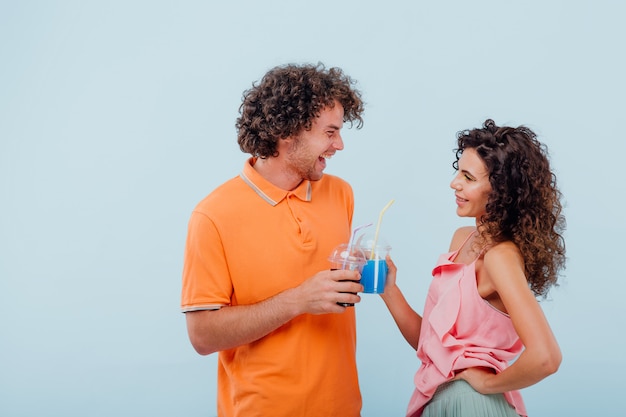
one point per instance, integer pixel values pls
(460, 330)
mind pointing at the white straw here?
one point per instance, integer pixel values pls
(380, 219)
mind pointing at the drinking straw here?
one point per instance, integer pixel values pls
(380, 219)
(363, 226)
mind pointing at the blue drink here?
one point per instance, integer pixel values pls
(374, 276)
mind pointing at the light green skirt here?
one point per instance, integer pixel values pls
(459, 399)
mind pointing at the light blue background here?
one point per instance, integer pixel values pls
(117, 117)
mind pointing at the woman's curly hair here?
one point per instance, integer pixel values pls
(524, 205)
(286, 101)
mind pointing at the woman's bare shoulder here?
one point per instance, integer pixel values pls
(504, 256)
(460, 235)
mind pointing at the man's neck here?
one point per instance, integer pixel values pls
(273, 171)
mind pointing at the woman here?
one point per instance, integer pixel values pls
(481, 310)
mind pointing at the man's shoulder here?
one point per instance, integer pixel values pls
(221, 194)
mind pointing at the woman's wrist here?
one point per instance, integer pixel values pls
(390, 293)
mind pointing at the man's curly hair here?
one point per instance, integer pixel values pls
(287, 100)
(524, 204)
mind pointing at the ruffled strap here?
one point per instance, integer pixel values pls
(445, 312)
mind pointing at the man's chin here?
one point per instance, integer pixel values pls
(316, 176)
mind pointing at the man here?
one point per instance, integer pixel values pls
(256, 282)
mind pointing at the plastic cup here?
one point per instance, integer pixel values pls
(374, 272)
(352, 260)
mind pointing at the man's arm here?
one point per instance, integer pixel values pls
(231, 326)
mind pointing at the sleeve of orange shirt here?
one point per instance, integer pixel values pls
(202, 247)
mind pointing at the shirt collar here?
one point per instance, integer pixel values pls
(268, 191)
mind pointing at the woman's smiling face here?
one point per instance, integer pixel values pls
(471, 185)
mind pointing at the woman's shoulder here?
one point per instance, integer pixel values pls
(505, 252)
(460, 236)
(506, 248)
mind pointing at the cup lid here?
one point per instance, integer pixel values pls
(341, 254)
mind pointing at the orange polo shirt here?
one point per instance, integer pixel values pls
(249, 240)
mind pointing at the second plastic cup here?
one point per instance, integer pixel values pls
(352, 260)
(374, 273)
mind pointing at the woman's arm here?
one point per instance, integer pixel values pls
(503, 268)
(407, 320)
